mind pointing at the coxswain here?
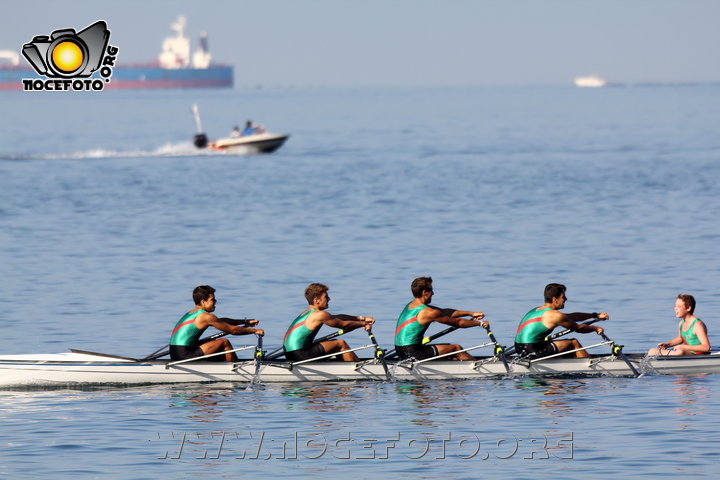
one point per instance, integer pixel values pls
(692, 336)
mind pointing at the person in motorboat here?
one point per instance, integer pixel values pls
(417, 316)
(692, 336)
(249, 129)
(298, 341)
(185, 338)
(235, 132)
(539, 322)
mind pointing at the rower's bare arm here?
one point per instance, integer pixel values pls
(226, 327)
(580, 316)
(675, 341)
(367, 322)
(460, 322)
(246, 322)
(568, 321)
(449, 312)
(348, 322)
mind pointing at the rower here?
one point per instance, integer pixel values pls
(417, 316)
(692, 336)
(298, 341)
(538, 323)
(185, 338)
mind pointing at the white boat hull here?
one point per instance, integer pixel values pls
(260, 142)
(70, 369)
(591, 81)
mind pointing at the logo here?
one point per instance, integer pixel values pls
(68, 58)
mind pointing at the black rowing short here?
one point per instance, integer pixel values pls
(183, 352)
(418, 352)
(317, 350)
(536, 350)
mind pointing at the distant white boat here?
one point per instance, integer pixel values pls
(590, 81)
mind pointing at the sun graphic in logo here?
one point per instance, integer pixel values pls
(67, 56)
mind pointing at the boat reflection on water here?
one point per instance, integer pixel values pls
(555, 393)
(693, 394)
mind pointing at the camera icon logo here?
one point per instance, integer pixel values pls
(68, 54)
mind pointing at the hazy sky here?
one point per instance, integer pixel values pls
(408, 42)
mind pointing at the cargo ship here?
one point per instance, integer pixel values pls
(174, 67)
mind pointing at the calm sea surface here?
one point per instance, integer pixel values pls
(109, 217)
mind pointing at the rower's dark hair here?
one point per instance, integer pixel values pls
(553, 290)
(201, 293)
(419, 285)
(315, 290)
(688, 300)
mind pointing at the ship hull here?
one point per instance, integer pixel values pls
(139, 77)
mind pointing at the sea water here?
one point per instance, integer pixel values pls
(109, 218)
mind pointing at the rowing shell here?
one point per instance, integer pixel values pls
(66, 369)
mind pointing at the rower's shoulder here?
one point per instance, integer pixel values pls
(319, 315)
(552, 315)
(206, 318)
(431, 310)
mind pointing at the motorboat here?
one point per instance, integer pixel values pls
(260, 141)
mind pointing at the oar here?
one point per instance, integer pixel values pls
(393, 353)
(617, 350)
(278, 352)
(438, 335)
(499, 349)
(158, 353)
(380, 354)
